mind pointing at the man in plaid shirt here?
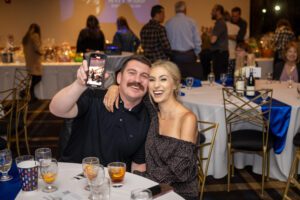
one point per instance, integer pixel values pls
(283, 35)
(154, 37)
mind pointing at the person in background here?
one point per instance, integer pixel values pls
(32, 47)
(154, 38)
(171, 140)
(111, 137)
(183, 35)
(219, 42)
(124, 37)
(232, 30)
(205, 54)
(283, 35)
(236, 19)
(91, 38)
(290, 67)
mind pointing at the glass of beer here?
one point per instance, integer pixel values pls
(116, 172)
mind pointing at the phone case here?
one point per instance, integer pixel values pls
(159, 190)
(96, 72)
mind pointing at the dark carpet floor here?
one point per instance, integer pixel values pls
(44, 131)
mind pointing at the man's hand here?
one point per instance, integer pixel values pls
(82, 74)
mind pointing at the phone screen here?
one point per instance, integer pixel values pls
(96, 70)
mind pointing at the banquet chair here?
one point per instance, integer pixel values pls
(241, 112)
(293, 176)
(22, 83)
(207, 132)
(7, 108)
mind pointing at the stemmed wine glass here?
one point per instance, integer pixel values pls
(5, 164)
(42, 154)
(269, 77)
(223, 78)
(49, 170)
(189, 82)
(264, 96)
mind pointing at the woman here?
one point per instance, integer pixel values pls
(91, 38)
(170, 145)
(32, 47)
(124, 37)
(290, 68)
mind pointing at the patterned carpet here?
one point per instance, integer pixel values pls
(44, 129)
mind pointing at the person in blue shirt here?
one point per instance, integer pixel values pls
(184, 37)
(124, 37)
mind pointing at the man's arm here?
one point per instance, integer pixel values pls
(63, 103)
(242, 32)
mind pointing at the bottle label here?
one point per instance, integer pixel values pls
(240, 86)
(250, 91)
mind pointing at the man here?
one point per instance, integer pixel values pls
(183, 35)
(219, 42)
(236, 19)
(154, 38)
(118, 136)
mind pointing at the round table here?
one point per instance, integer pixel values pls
(66, 182)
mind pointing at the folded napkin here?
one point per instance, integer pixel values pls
(229, 81)
(196, 83)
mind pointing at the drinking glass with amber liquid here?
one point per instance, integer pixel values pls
(49, 170)
(117, 172)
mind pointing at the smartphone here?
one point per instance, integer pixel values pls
(159, 190)
(96, 70)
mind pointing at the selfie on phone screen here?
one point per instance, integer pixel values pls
(96, 71)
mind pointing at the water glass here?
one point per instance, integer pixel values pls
(49, 170)
(269, 77)
(264, 96)
(211, 78)
(223, 78)
(5, 164)
(100, 188)
(90, 167)
(290, 82)
(141, 194)
(117, 172)
(189, 82)
(41, 154)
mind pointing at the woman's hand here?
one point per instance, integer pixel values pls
(111, 98)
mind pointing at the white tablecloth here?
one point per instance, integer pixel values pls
(55, 75)
(66, 182)
(207, 103)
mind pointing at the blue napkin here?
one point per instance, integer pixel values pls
(196, 83)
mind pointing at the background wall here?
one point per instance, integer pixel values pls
(63, 19)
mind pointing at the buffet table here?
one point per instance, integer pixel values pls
(66, 182)
(55, 75)
(207, 103)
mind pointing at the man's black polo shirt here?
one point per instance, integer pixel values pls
(117, 136)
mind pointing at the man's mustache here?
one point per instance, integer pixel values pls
(136, 84)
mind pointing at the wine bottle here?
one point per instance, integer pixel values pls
(240, 84)
(250, 85)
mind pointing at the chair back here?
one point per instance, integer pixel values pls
(241, 110)
(209, 131)
(7, 108)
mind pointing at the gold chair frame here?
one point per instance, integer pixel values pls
(7, 109)
(293, 176)
(210, 128)
(22, 82)
(241, 110)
